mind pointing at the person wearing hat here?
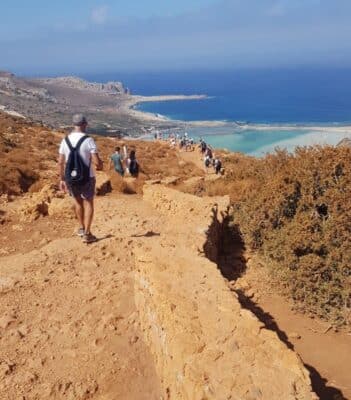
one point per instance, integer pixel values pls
(83, 195)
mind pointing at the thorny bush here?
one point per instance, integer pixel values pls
(296, 211)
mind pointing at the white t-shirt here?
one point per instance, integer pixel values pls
(87, 148)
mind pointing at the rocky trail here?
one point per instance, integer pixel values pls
(150, 311)
(142, 314)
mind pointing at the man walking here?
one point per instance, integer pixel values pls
(117, 159)
(84, 149)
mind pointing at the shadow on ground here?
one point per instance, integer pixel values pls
(232, 264)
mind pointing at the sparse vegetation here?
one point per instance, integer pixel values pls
(295, 210)
(29, 154)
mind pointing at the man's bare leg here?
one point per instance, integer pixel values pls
(79, 210)
(88, 214)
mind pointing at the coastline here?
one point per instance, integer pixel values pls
(128, 106)
(112, 109)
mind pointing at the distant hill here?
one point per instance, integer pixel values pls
(53, 101)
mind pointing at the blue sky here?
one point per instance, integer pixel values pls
(43, 37)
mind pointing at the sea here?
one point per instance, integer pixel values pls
(265, 109)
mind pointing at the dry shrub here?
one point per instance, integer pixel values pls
(25, 149)
(295, 210)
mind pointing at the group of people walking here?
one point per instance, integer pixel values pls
(79, 158)
(208, 157)
(185, 142)
(123, 162)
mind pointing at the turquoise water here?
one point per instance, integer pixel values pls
(258, 142)
(248, 141)
(290, 97)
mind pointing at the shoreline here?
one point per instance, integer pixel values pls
(128, 106)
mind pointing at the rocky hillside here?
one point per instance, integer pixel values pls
(29, 154)
(144, 313)
(157, 301)
(52, 101)
(109, 88)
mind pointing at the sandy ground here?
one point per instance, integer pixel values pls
(68, 324)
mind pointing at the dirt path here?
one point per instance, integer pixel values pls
(195, 158)
(68, 324)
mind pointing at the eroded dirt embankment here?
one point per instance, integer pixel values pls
(206, 346)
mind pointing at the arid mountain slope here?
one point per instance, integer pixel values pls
(143, 313)
(54, 100)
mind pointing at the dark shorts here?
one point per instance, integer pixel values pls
(86, 192)
(120, 171)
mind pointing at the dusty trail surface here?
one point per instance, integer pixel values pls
(68, 324)
(142, 314)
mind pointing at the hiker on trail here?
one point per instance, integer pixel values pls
(77, 156)
(203, 147)
(217, 165)
(208, 153)
(207, 162)
(117, 160)
(133, 165)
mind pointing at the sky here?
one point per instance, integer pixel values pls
(90, 36)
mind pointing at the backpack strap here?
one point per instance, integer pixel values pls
(77, 147)
(69, 144)
(81, 140)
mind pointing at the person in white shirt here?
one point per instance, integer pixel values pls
(83, 196)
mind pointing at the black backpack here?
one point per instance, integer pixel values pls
(133, 167)
(77, 173)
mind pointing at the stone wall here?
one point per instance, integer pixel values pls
(204, 344)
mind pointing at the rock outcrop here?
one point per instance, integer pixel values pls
(109, 88)
(205, 345)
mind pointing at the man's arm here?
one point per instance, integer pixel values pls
(61, 172)
(97, 162)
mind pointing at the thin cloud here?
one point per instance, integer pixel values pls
(240, 33)
(99, 15)
(277, 10)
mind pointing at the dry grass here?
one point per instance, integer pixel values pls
(29, 158)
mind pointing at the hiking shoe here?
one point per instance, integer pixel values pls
(81, 232)
(89, 238)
